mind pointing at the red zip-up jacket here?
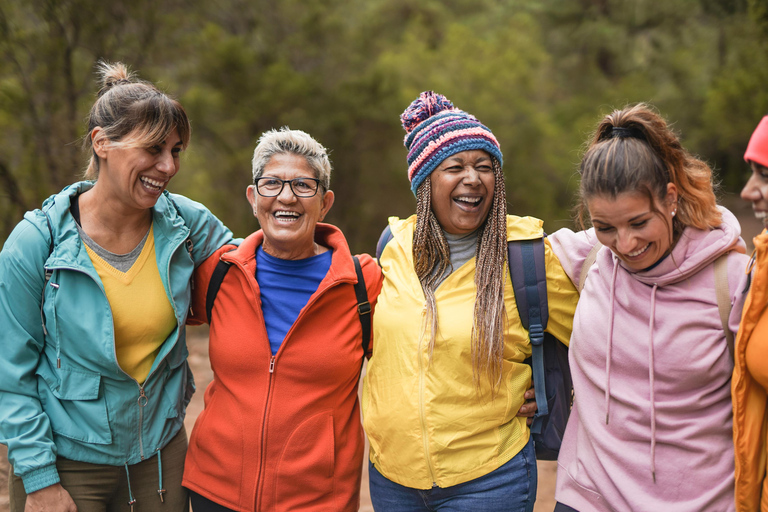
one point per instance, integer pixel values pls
(281, 433)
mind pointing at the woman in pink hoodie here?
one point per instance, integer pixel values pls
(651, 423)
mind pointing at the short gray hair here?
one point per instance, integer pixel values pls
(297, 142)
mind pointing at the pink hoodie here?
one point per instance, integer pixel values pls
(651, 423)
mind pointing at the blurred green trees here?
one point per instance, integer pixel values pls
(539, 73)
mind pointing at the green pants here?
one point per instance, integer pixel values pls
(103, 488)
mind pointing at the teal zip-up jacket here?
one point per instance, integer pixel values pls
(62, 391)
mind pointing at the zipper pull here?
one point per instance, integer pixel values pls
(272, 365)
(142, 397)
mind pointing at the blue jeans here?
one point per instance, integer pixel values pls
(512, 488)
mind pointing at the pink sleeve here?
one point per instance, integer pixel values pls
(572, 249)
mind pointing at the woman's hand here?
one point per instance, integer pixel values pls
(53, 498)
(529, 408)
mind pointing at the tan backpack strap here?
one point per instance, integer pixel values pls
(723, 292)
(591, 256)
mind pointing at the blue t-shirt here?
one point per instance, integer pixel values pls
(286, 286)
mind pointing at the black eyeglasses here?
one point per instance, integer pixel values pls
(301, 187)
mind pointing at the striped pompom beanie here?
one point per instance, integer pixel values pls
(435, 130)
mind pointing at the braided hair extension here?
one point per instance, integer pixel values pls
(490, 276)
(431, 256)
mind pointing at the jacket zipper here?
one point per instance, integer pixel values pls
(259, 482)
(422, 415)
(142, 401)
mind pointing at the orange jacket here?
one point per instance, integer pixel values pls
(749, 397)
(281, 433)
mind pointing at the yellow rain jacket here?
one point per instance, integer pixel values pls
(426, 421)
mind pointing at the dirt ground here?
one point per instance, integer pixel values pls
(198, 358)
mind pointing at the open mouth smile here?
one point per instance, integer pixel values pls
(639, 252)
(153, 186)
(468, 202)
(286, 216)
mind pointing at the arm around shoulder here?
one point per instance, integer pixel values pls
(206, 231)
(562, 296)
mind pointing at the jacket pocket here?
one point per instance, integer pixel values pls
(217, 449)
(305, 477)
(75, 406)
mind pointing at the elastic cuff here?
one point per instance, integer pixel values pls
(40, 478)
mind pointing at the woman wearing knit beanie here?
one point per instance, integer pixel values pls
(448, 376)
(750, 375)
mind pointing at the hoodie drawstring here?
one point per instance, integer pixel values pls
(131, 499)
(651, 379)
(160, 489)
(610, 346)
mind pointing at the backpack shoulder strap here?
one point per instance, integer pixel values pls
(363, 306)
(222, 267)
(722, 290)
(529, 281)
(591, 257)
(384, 239)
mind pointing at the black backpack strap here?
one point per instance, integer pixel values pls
(48, 272)
(384, 239)
(222, 267)
(529, 281)
(363, 306)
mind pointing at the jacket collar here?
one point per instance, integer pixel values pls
(167, 223)
(342, 266)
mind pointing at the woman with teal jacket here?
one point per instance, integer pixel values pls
(94, 293)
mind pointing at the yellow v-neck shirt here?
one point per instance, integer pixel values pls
(141, 312)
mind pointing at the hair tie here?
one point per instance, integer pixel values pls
(621, 132)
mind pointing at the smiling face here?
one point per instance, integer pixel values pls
(756, 192)
(288, 221)
(136, 176)
(637, 231)
(462, 191)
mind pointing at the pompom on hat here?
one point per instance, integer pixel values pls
(757, 149)
(435, 130)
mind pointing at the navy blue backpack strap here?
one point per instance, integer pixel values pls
(222, 267)
(363, 306)
(529, 280)
(384, 239)
(549, 359)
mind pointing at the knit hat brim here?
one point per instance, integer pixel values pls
(757, 149)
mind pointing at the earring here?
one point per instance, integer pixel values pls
(674, 212)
